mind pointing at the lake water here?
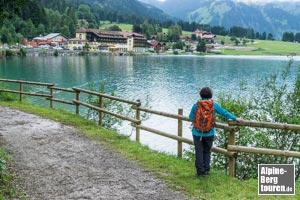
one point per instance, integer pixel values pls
(166, 82)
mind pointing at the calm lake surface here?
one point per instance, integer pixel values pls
(165, 82)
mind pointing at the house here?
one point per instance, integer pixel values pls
(54, 39)
(186, 39)
(204, 34)
(157, 46)
(112, 41)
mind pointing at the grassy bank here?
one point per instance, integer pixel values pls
(5, 176)
(8, 189)
(178, 173)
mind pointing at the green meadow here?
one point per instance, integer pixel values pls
(128, 27)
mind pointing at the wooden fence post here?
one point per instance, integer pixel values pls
(138, 117)
(232, 159)
(77, 99)
(21, 90)
(100, 113)
(51, 94)
(179, 133)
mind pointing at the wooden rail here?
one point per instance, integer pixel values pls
(256, 150)
(51, 99)
(21, 92)
(291, 127)
(107, 112)
(107, 96)
(232, 127)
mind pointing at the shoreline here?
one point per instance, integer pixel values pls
(81, 53)
(271, 57)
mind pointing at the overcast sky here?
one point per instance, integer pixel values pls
(265, 1)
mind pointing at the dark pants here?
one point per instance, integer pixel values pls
(202, 151)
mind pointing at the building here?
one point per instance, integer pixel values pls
(204, 35)
(157, 46)
(110, 41)
(54, 39)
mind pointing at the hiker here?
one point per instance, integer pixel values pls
(203, 117)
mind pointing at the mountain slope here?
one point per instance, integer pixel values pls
(132, 7)
(270, 17)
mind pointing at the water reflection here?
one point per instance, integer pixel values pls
(167, 82)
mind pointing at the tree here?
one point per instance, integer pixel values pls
(162, 37)
(238, 31)
(41, 29)
(8, 8)
(194, 37)
(86, 47)
(54, 18)
(174, 33)
(136, 28)
(178, 45)
(201, 46)
(270, 37)
(250, 33)
(148, 29)
(263, 36)
(30, 30)
(288, 37)
(84, 12)
(6, 36)
(65, 31)
(257, 35)
(219, 30)
(235, 40)
(114, 28)
(297, 37)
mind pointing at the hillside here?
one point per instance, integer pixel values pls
(273, 17)
(130, 7)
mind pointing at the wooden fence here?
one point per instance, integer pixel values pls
(231, 127)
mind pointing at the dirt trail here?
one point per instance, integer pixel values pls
(52, 161)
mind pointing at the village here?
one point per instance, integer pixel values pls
(96, 40)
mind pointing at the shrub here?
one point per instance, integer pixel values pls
(55, 53)
(274, 100)
(4, 96)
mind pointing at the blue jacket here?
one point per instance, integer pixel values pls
(217, 109)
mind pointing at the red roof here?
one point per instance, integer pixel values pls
(111, 34)
(156, 43)
(197, 31)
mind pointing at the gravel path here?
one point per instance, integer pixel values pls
(53, 161)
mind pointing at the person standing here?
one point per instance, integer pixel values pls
(203, 117)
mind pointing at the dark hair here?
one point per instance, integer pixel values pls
(206, 93)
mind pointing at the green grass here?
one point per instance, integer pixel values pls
(262, 47)
(7, 188)
(124, 27)
(128, 27)
(177, 173)
(277, 47)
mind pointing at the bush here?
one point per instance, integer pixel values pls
(9, 53)
(22, 52)
(274, 100)
(4, 96)
(55, 53)
(109, 121)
